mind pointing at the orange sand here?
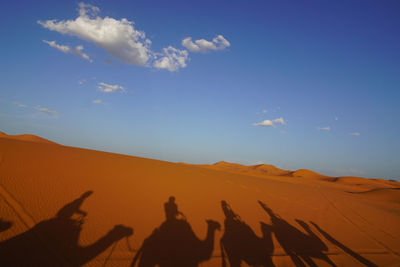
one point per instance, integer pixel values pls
(305, 217)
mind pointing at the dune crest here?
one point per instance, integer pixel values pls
(262, 170)
(27, 137)
(306, 173)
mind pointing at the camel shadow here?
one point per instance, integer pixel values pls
(299, 246)
(240, 243)
(54, 242)
(350, 252)
(174, 243)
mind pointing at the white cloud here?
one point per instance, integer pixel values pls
(117, 37)
(326, 128)
(280, 121)
(46, 110)
(172, 59)
(97, 101)
(109, 88)
(355, 134)
(122, 40)
(77, 51)
(264, 123)
(270, 123)
(203, 46)
(20, 104)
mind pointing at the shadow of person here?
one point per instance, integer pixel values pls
(295, 243)
(316, 246)
(4, 225)
(54, 242)
(240, 243)
(174, 243)
(355, 255)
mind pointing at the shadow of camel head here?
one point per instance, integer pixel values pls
(214, 225)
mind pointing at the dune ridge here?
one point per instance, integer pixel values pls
(27, 137)
(98, 208)
(268, 171)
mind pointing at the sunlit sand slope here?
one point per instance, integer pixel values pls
(64, 206)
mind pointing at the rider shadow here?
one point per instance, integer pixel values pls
(174, 243)
(54, 242)
(295, 243)
(240, 243)
(352, 253)
(4, 225)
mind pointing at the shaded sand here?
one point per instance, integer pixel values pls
(63, 206)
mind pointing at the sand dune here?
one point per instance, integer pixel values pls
(260, 169)
(63, 206)
(26, 137)
(388, 194)
(307, 174)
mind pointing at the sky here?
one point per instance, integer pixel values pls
(296, 84)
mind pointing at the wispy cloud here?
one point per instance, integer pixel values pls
(77, 51)
(46, 110)
(354, 134)
(270, 123)
(109, 88)
(19, 104)
(97, 101)
(203, 46)
(264, 111)
(326, 128)
(81, 81)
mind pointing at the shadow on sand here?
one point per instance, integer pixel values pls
(350, 252)
(295, 243)
(54, 242)
(174, 243)
(240, 243)
(4, 225)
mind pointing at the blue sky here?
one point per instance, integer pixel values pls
(311, 84)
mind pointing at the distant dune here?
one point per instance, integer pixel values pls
(26, 137)
(66, 206)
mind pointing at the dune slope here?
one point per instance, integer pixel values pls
(26, 137)
(75, 206)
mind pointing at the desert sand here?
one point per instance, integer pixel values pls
(66, 206)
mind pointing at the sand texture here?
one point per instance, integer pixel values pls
(65, 206)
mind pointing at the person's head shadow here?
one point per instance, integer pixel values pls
(240, 243)
(174, 243)
(55, 242)
(301, 247)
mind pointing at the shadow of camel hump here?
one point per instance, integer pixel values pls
(174, 243)
(299, 246)
(54, 242)
(240, 243)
